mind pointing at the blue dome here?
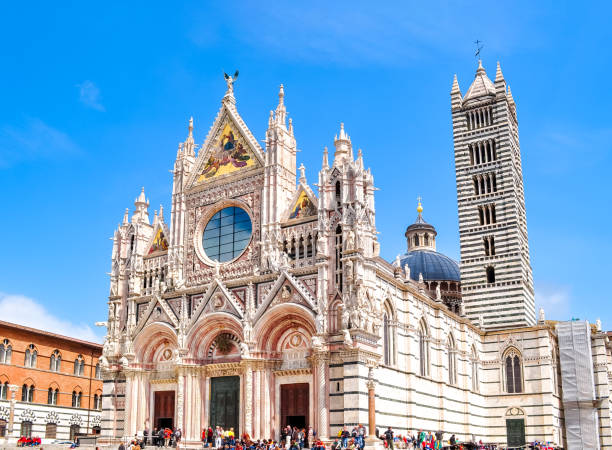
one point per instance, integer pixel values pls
(433, 265)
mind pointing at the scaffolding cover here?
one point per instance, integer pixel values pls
(578, 385)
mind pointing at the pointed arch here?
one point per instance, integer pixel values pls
(152, 341)
(475, 376)
(452, 359)
(512, 370)
(389, 333)
(423, 338)
(271, 329)
(207, 329)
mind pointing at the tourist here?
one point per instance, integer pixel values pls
(345, 437)
(453, 442)
(361, 431)
(218, 436)
(160, 437)
(167, 434)
(389, 438)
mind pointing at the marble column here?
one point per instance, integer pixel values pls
(323, 413)
(129, 400)
(371, 441)
(248, 400)
(206, 401)
(180, 398)
(13, 389)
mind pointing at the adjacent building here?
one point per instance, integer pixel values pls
(50, 385)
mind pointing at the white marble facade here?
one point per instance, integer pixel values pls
(307, 302)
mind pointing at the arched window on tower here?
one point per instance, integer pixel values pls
(6, 350)
(490, 274)
(513, 371)
(338, 193)
(416, 240)
(426, 239)
(389, 334)
(452, 360)
(423, 337)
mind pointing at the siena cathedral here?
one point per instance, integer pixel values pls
(261, 303)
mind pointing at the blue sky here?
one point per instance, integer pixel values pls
(95, 99)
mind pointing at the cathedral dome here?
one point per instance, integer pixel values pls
(422, 257)
(433, 265)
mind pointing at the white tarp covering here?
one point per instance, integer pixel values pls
(578, 382)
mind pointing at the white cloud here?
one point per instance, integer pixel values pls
(555, 300)
(34, 140)
(25, 311)
(89, 95)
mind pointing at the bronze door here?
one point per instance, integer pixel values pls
(164, 409)
(294, 405)
(225, 402)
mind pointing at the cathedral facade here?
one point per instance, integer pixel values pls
(261, 303)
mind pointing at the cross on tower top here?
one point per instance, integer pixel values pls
(478, 48)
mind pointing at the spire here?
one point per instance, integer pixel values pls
(281, 111)
(499, 76)
(509, 95)
(421, 235)
(455, 89)
(343, 145)
(161, 213)
(155, 218)
(302, 174)
(456, 97)
(325, 164)
(481, 86)
(125, 216)
(142, 204)
(271, 119)
(500, 82)
(290, 126)
(359, 158)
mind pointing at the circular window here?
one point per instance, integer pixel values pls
(227, 234)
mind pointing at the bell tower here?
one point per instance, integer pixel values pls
(496, 276)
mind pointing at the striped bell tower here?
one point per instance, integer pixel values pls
(496, 276)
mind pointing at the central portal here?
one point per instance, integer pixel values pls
(224, 402)
(164, 409)
(294, 405)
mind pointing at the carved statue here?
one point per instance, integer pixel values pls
(350, 240)
(345, 317)
(348, 340)
(438, 293)
(355, 319)
(348, 269)
(407, 270)
(321, 245)
(230, 80)
(244, 350)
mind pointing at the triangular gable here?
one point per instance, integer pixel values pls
(158, 244)
(279, 294)
(217, 299)
(303, 204)
(229, 147)
(154, 314)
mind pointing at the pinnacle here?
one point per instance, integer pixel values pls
(455, 89)
(499, 76)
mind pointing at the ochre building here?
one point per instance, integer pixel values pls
(50, 385)
(258, 302)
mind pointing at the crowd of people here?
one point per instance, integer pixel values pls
(28, 441)
(294, 438)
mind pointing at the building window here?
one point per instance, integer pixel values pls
(51, 431)
(423, 350)
(30, 356)
(74, 430)
(490, 274)
(6, 350)
(97, 401)
(486, 214)
(96, 430)
(489, 245)
(512, 363)
(27, 393)
(227, 234)
(52, 395)
(338, 194)
(452, 361)
(416, 240)
(2, 428)
(76, 399)
(98, 371)
(339, 258)
(79, 366)
(55, 361)
(388, 335)
(4, 390)
(475, 380)
(26, 429)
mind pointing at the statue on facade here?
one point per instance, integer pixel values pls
(230, 80)
(348, 340)
(350, 240)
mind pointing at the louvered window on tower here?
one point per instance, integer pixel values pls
(486, 214)
(490, 274)
(489, 245)
(478, 118)
(482, 152)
